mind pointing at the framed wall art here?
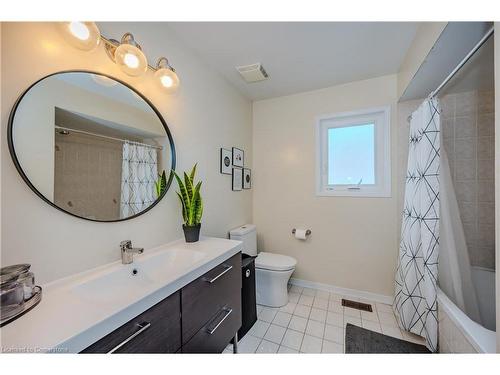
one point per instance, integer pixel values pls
(225, 161)
(238, 157)
(237, 179)
(247, 178)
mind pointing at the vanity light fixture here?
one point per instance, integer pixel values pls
(126, 53)
(166, 75)
(82, 35)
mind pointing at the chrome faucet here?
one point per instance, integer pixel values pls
(128, 251)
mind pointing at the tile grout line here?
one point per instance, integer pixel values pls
(303, 333)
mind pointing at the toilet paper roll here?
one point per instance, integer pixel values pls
(300, 234)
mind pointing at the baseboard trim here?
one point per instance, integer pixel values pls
(343, 291)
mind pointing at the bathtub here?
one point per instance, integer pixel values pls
(484, 282)
(460, 334)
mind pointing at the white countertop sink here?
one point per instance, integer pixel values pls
(78, 310)
(144, 273)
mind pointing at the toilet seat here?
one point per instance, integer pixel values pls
(274, 262)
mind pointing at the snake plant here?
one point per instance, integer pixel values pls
(161, 184)
(190, 197)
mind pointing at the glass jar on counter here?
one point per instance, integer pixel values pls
(16, 286)
(27, 280)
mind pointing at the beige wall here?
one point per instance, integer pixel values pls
(350, 236)
(497, 180)
(427, 35)
(205, 115)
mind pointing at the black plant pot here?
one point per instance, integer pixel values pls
(191, 233)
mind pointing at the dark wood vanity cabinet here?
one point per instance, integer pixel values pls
(157, 330)
(202, 317)
(211, 308)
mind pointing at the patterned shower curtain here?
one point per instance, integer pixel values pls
(139, 173)
(417, 273)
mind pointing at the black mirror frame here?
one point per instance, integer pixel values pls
(40, 195)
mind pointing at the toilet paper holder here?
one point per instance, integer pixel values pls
(308, 232)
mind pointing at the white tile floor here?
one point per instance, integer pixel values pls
(314, 322)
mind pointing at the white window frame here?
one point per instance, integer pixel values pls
(381, 118)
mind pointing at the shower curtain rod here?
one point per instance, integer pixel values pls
(105, 136)
(461, 64)
(464, 61)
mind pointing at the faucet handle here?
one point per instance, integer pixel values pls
(127, 244)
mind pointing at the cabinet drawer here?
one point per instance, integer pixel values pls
(157, 330)
(205, 297)
(214, 336)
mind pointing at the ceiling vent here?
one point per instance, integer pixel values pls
(253, 73)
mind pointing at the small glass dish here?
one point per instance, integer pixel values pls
(27, 280)
(11, 299)
(11, 273)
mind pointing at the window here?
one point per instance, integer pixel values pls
(353, 154)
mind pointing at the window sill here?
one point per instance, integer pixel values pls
(355, 193)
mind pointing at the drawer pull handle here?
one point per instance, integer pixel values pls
(143, 326)
(227, 269)
(228, 312)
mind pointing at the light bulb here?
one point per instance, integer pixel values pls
(129, 57)
(131, 60)
(79, 30)
(82, 35)
(167, 81)
(166, 75)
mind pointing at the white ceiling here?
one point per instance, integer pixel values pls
(299, 56)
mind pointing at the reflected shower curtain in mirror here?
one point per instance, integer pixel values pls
(416, 276)
(139, 174)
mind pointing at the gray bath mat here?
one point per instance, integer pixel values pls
(361, 340)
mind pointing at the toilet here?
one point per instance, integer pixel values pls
(272, 271)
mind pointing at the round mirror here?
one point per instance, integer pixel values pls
(92, 146)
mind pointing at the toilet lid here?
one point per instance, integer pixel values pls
(274, 262)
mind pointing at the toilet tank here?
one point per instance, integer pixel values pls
(248, 234)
